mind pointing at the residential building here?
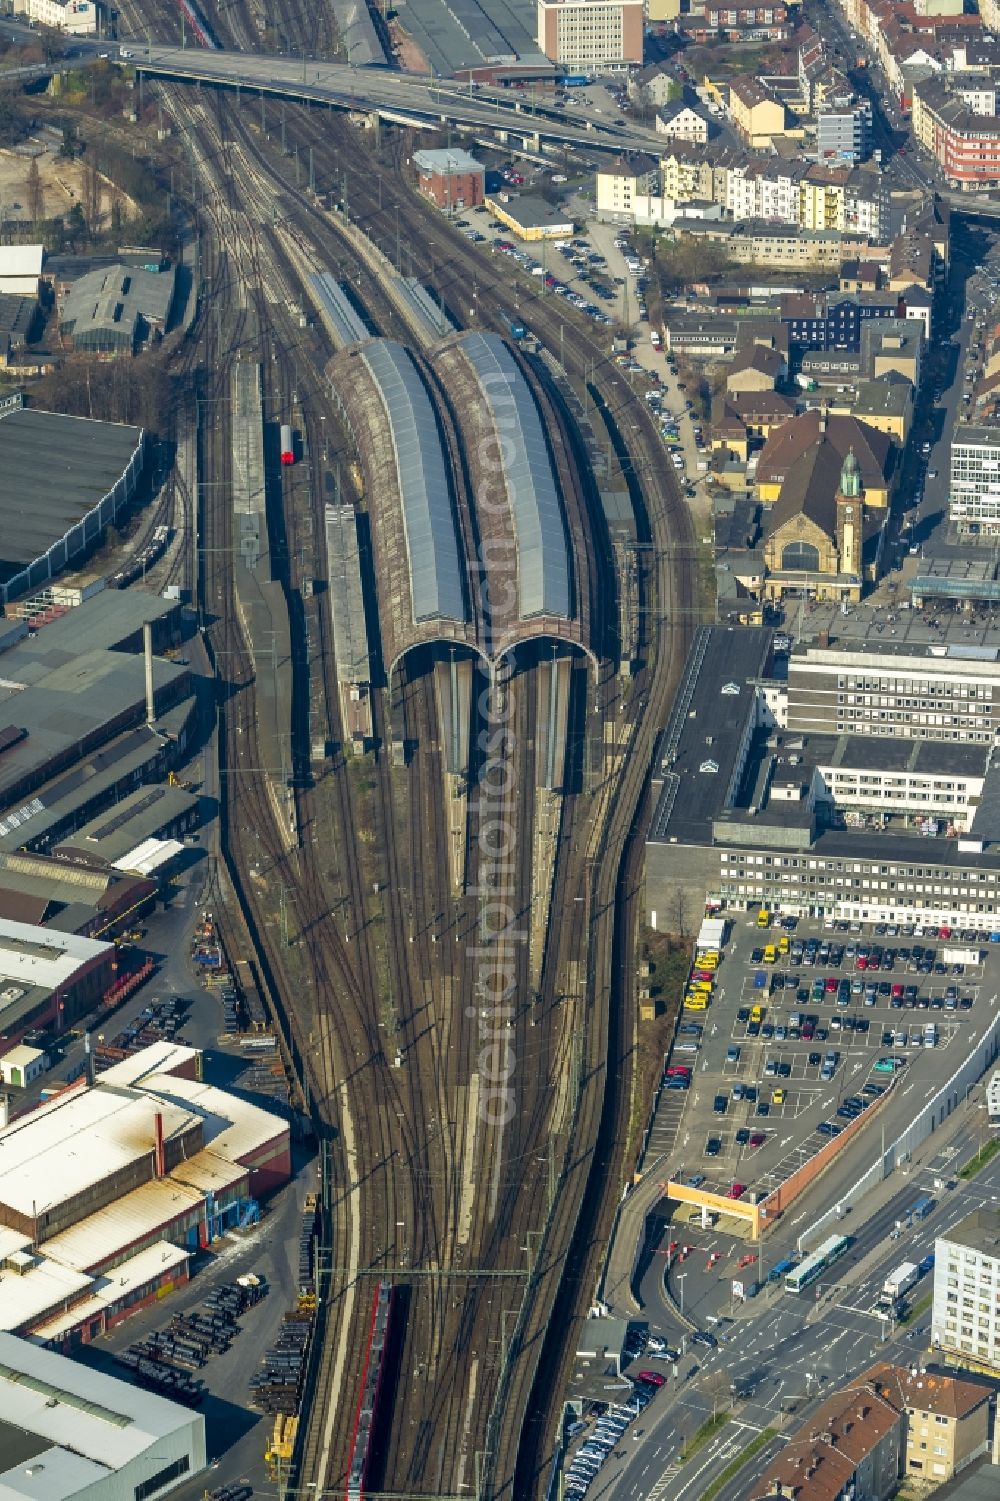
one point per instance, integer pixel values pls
(453, 179)
(739, 22)
(851, 1446)
(993, 1099)
(654, 85)
(819, 322)
(622, 181)
(947, 1419)
(843, 131)
(756, 113)
(974, 489)
(686, 173)
(965, 1317)
(966, 145)
(591, 36)
(885, 404)
(681, 122)
(756, 368)
(822, 193)
(76, 17)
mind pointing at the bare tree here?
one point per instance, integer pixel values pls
(34, 192)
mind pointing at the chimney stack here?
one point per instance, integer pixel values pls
(159, 1158)
(147, 647)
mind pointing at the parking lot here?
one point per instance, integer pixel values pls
(808, 1027)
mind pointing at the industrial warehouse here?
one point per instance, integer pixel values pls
(107, 1190)
(66, 479)
(66, 1431)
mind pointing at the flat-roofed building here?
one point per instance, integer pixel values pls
(67, 1431)
(21, 268)
(453, 179)
(965, 1317)
(974, 488)
(591, 36)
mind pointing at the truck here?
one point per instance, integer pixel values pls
(953, 955)
(899, 1282)
(922, 1207)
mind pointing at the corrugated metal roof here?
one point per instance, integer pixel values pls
(536, 507)
(76, 1140)
(233, 1127)
(149, 856)
(105, 1421)
(158, 1058)
(101, 1238)
(26, 1297)
(139, 1271)
(425, 496)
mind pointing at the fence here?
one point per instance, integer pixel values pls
(929, 1119)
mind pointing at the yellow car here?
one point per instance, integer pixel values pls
(695, 1003)
(704, 986)
(783, 944)
(764, 918)
(756, 1013)
(770, 954)
(777, 1097)
(708, 960)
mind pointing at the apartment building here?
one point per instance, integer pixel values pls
(621, 183)
(78, 17)
(844, 131)
(965, 144)
(974, 490)
(591, 36)
(965, 1317)
(851, 1447)
(757, 115)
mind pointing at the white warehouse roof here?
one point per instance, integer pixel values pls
(66, 1428)
(75, 1140)
(43, 957)
(148, 856)
(19, 262)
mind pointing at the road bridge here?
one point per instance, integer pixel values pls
(401, 98)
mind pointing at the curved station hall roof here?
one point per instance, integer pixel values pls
(543, 571)
(422, 480)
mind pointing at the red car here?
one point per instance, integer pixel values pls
(757, 1139)
(736, 1191)
(651, 1378)
(830, 984)
(861, 962)
(678, 1071)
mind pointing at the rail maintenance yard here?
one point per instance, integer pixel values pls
(827, 1047)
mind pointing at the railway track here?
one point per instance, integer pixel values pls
(367, 974)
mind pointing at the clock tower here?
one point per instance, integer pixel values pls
(850, 503)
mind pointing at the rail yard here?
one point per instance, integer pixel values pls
(433, 760)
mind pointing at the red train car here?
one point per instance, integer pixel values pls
(287, 444)
(371, 1389)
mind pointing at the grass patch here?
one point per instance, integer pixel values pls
(917, 1310)
(735, 1466)
(982, 1157)
(707, 1431)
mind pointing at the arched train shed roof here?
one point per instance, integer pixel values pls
(408, 482)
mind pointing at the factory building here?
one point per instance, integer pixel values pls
(68, 1431)
(49, 979)
(67, 479)
(107, 1190)
(116, 309)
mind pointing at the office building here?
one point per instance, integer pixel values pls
(974, 491)
(591, 36)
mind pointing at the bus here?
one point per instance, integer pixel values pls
(807, 1271)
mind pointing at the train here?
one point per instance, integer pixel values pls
(136, 567)
(372, 1374)
(513, 325)
(287, 444)
(197, 24)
